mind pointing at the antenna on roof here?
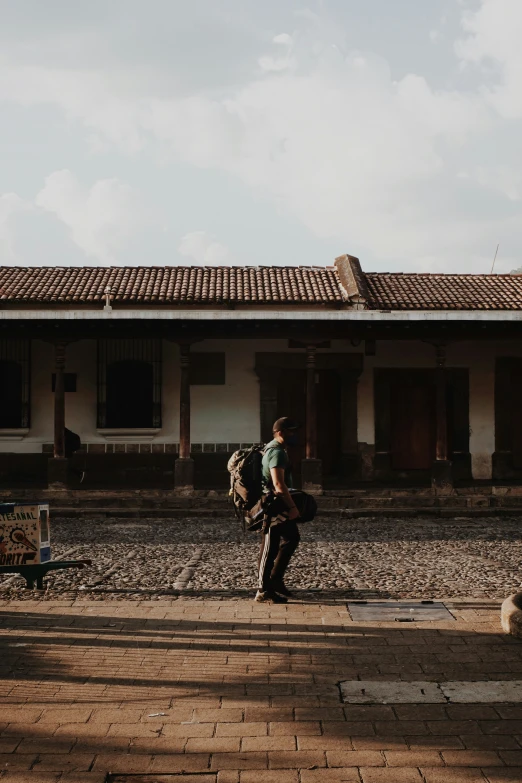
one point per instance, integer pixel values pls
(493, 264)
(108, 308)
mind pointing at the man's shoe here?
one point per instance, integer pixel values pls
(269, 597)
(280, 587)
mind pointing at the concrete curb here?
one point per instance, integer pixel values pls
(511, 615)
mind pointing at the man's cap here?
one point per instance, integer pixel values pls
(285, 423)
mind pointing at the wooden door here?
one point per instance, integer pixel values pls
(516, 414)
(413, 420)
(291, 401)
(508, 408)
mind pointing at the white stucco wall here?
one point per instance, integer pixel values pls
(80, 406)
(481, 408)
(230, 413)
(226, 413)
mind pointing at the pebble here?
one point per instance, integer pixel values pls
(370, 557)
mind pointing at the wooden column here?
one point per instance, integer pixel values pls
(57, 467)
(184, 403)
(59, 401)
(184, 466)
(311, 467)
(442, 476)
(311, 406)
(442, 415)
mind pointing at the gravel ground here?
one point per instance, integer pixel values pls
(371, 557)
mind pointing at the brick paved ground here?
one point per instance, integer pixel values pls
(236, 692)
(247, 693)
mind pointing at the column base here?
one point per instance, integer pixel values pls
(184, 475)
(442, 477)
(502, 466)
(312, 476)
(57, 472)
(367, 457)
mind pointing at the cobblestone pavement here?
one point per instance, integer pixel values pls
(371, 557)
(236, 692)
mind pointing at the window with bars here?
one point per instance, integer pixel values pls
(129, 384)
(15, 384)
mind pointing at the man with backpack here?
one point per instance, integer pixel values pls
(280, 537)
(260, 490)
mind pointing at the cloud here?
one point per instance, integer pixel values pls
(274, 64)
(11, 205)
(342, 147)
(325, 134)
(202, 249)
(494, 32)
(100, 219)
(106, 104)
(269, 63)
(505, 180)
(283, 38)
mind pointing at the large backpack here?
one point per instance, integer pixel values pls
(245, 468)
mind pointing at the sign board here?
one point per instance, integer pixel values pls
(24, 534)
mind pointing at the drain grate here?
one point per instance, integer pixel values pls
(398, 611)
(169, 777)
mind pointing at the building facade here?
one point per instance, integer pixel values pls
(164, 372)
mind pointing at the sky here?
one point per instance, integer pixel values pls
(281, 132)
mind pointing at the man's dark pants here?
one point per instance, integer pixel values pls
(278, 544)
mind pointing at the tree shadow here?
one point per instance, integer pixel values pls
(279, 665)
(28, 640)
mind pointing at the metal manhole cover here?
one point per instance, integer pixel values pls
(398, 611)
(170, 777)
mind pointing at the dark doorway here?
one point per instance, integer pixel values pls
(291, 401)
(11, 395)
(329, 423)
(508, 414)
(406, 420)
(516, 413)
(130, 394)
(413, 421)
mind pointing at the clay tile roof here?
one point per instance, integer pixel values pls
(346, 283)
(170, 285)
(399, 291)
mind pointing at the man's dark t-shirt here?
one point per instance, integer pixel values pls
(275, 456)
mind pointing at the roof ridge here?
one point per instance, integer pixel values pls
(478, 275)
(147, 267)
